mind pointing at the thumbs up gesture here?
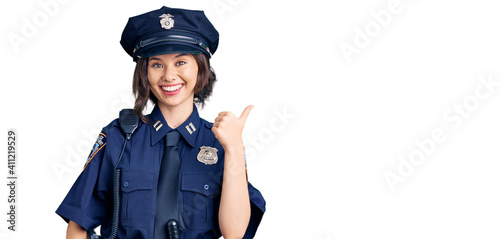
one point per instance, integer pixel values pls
(228, 128)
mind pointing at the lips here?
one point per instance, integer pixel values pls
(172, 89)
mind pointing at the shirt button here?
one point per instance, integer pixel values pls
(206, 187)
(125, 184)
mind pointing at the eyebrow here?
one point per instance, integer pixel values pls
(182, 54)
(158, 59)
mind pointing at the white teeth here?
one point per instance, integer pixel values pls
(171, 88)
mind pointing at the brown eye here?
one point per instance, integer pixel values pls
(157, 65)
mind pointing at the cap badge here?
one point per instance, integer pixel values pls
(166, 21)
(207, 155)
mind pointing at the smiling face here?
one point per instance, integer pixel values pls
(172, 78)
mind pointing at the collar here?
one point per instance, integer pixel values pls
(159, 127)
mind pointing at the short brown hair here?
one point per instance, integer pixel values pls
(142, 90)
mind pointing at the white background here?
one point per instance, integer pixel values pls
(325, 130)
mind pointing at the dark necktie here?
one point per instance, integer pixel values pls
(168, 182)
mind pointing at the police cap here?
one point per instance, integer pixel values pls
(169, 30)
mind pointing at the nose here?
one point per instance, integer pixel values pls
(170, 74)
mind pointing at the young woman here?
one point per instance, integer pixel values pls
(176, 166)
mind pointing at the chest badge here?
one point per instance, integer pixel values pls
(207, 155)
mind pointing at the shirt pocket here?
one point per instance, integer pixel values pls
(137, 193)
(200, 196)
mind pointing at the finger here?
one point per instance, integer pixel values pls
(216, 124)
(215, 129)
(223, 118)
(218, 119)
(246, 112)
(224, 113)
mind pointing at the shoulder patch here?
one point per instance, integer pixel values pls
(98, 145)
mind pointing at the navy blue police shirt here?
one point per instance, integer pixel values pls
(89, 202)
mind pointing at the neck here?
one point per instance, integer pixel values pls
(176, 115)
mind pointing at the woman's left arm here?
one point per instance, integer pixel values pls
(234, 211)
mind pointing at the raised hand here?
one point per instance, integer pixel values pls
(228, 128)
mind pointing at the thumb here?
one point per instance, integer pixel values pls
(246, 112)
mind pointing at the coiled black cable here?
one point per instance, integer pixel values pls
(116, 203)
(116, 196)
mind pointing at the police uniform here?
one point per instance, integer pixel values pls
(89, 202)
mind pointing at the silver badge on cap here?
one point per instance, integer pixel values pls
(166, 21)
(207, 155)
